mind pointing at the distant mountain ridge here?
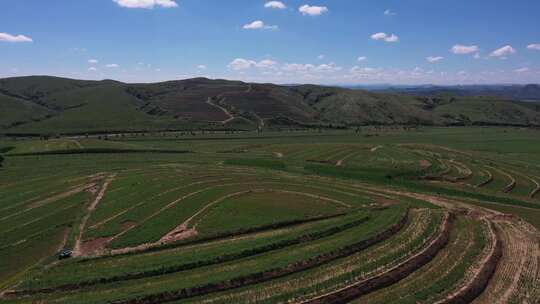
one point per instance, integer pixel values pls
(44, 104)
(514, 92)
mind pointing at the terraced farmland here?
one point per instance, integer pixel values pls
(396, 217)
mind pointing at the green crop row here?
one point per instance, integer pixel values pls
(239, 272)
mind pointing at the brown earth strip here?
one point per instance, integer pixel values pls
(519, 264)
(184, 231)
(308, 237)
(41, 203)
(535, 190)
(266, 275)
(487, 181)
(481, 276)
(392, 276)
(508, 188)
(78, 250)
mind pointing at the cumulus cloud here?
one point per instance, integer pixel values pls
(93, 61)
(534, 46)
(259, 25)
(201, 67)
(266, 64)
(503, 52)
(244, 64)
(112, 66)
(271, 67)
(312, 10)
(5, 37)
(321, 57)
(328, 68)
(92, 69)
(304, 68)
(241, 64)
(389, 13)
(385, 37)
(521, 70)
(146, 3)
(362, 70)
(460, 49)
(361, 58)
(275, 4)
(434, 59)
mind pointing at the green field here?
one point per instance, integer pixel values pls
(373, 215)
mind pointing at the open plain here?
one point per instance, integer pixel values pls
(374, 215)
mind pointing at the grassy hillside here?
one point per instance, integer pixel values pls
(42, 104)
(14, 111)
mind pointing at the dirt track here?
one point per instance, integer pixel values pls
(231, 117)
(78, 250)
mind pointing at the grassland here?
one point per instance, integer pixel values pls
(377, 215)
(50, 105)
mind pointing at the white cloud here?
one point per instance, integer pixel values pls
(328, 68)
(297, 67)
(311, 68)
(521, 70)
(275, 4)
(146, 3)
(258, 25)
(92, 69)
(321, 57)
(361, 58)
(360, 70)
(503, 52)
(385, 37)
(201, 67)
(266, 64)
(239, 64)
(460, 49)
(112, 66)
(434, 59)
(476, 56)
(93, 61)
(535, 46)
(312, 10)
(5, 37)
(389, 13)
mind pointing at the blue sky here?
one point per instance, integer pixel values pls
(289, 41)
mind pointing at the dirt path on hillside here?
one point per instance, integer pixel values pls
(78, 250)
(279, 154)
(77, 143)
(340, 162)
(231, 117)
(374, 149)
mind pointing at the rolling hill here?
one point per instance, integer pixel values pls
(43, 104)
(529, 92)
